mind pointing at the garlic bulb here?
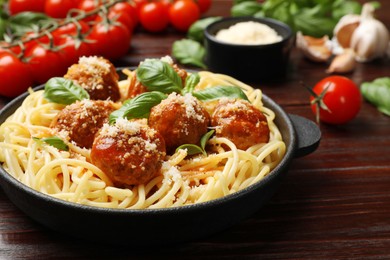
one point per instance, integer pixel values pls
(344, 29)
(365, 35)
(315, 49)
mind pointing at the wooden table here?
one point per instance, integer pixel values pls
(334, 203)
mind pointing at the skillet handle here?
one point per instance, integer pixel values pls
(308, 135)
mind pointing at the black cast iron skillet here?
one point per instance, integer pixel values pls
(161, 226)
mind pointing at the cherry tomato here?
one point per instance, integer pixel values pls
(110, 41)
(138, 4)
(204, 5)
(70, 29)
(44, 63)
(18, 6)
(183, 13)
(338, 98)
(127, 8)
(59, 8)
(119, 17)
(153, 16)
(15, 75)
(167, 4)
(87, 6)
(71, 50)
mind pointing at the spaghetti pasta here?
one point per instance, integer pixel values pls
(70, 175)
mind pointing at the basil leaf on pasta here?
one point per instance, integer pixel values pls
(191, 82)
(54, 141)
(218, 92)
(195, 149)
(158, 75)
(138, 107)
(64, 91)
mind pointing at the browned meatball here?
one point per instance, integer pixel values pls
(80, 121)
(129, 152)
(240, 122)
(97, 76)
(137, 88)
(180, 120)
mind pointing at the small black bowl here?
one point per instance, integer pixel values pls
(252, 63)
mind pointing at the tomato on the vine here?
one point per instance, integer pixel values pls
(15, 75)
(71, 50)
(71, 29)
(44, 63)
(153, 16)
(59, 8)
(336, 100)
(110, 40)
(204, 5)
(18, 6)
(126, 8)
(87, 6)
(119, 18)
(183, 13)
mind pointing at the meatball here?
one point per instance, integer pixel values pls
(129, 152)
(80, 121)
(240, 122)
(137, 88)
(97, 76)
(180, 120)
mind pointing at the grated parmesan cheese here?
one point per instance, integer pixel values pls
(248, 33)
(94, 64)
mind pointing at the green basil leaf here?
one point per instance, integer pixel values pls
(341, 8)
(247, 8)
(138, 107)
(189, 52)
(25, 21)
(191, 82)
(378, 93)
(310, 23)
(195, 149)
(218, 92)
(158, 75)
(191, 149)
(53, 141)
(205, 138)
(64, 91)
(196, 30)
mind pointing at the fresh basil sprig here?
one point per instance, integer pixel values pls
(195, 149)
(378, 93)
(53, 141)
(158, 75)
(218, 92)
(64, 91)
(138, 107)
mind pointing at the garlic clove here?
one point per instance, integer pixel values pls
(344, 29)
(343, 63)
(315, 49)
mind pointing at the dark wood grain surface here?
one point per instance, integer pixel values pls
(333, 204)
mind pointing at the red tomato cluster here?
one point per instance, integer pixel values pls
(155, 16)
(42, 58)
